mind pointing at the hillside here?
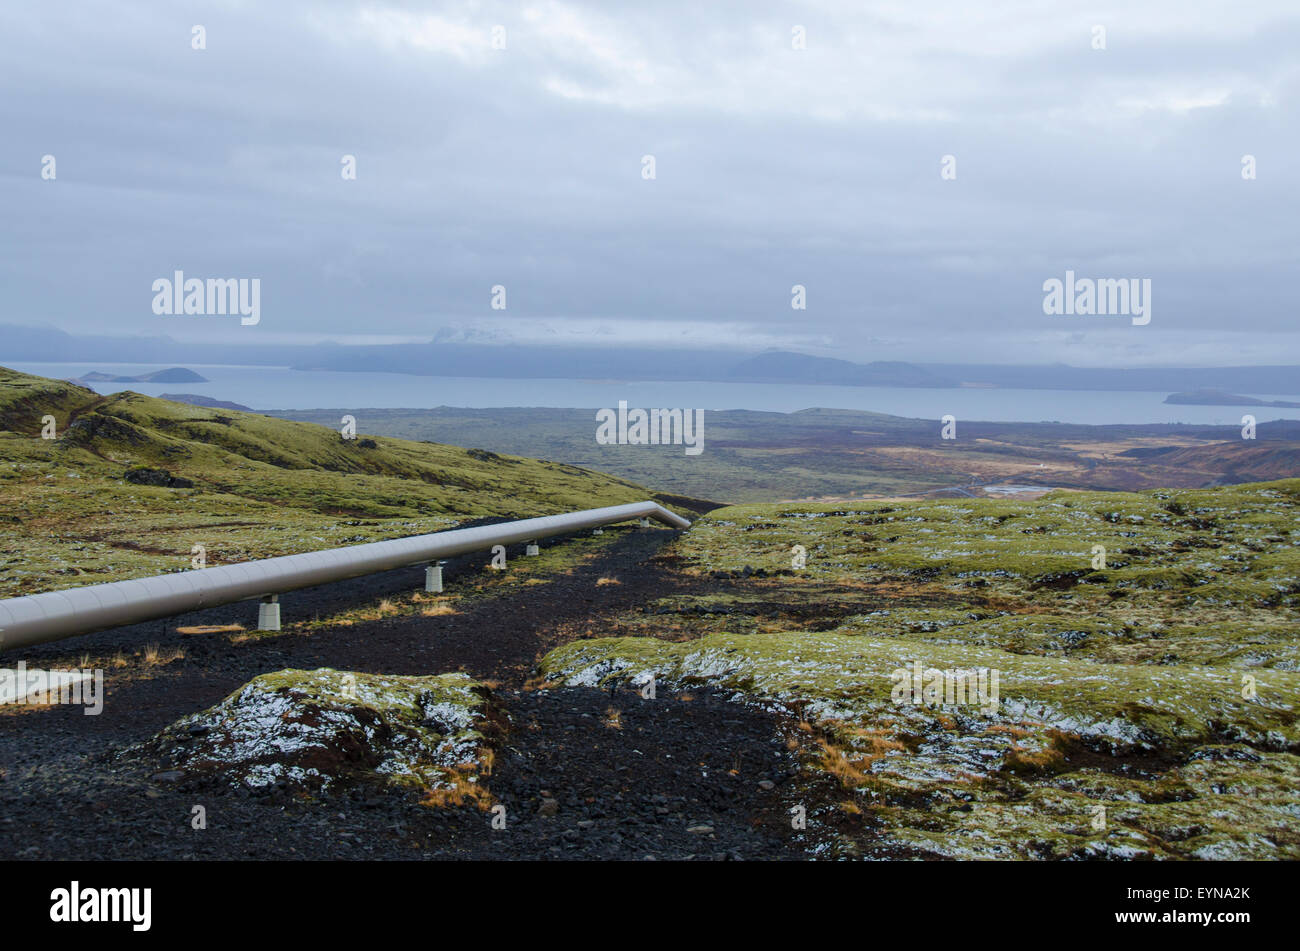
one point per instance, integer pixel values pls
(753, 456)
(132, 483)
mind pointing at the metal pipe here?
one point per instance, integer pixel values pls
(37, 618)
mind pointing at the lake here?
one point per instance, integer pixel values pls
(280, 388)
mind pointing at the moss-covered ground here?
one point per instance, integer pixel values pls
(1144, 707)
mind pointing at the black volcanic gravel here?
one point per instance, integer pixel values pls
(683, 776)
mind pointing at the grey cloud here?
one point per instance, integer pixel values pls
(523, 168)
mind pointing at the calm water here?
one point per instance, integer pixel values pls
(281, 388)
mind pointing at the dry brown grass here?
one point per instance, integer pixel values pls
(607, 580)
(245, 636)
(849, 771)
(877, 741)
(1015, 732)
(155, 656)
(850, 763)
(212, 629)
(1049, 759)
(614, 718)
(464, 786)
(385, 608)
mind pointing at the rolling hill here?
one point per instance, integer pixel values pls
(130, 484)
(753, 456)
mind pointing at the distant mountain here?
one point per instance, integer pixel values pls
(469, 353)
(49, 345)
(528, 362)
(512, 361)
(779, 366)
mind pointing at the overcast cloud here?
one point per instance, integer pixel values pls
(775, 166)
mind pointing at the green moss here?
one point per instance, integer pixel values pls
(835, 676)
(994, 781)
(1224, 809)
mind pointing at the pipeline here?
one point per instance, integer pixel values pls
(54, 615)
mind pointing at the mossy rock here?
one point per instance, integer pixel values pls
(1184, 765)
(314, 731)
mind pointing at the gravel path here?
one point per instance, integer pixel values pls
(583, 773)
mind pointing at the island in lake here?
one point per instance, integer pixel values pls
(170, 375)
(1220, 398)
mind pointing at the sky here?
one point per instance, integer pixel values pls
(504, 144)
